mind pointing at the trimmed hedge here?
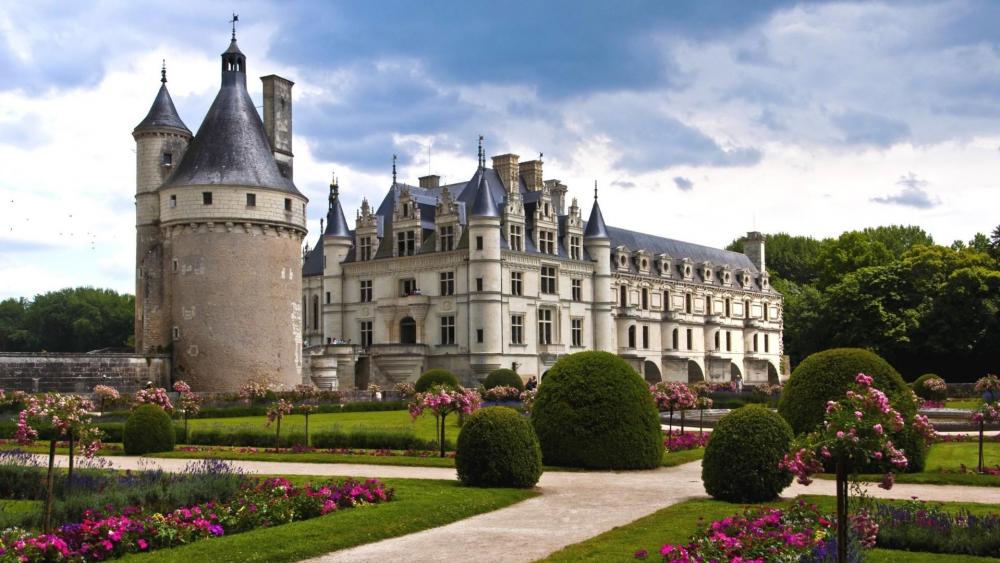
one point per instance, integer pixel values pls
(826, 375)
(148, 430)
(593, 410)
(433, 377)
(498, 448)
(927, 394)
(742, 455)
(503, 377)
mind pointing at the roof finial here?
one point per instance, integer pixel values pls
(540, 155)
(595, 190)
(393, 170)
(163, 72)
(334, 190)
(482, 157)
(233, 21)
(321, 226)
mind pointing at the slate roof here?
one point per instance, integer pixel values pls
(162, 113)
(595, 225)
(231, 146)
(336, 223)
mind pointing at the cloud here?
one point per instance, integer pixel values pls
(683, 184)
(626, 184)
(913, 194)
(862, 128)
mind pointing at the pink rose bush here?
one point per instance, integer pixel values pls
(985, 414)
(989, 383)
(255, 390)
(680, 441)
(855, 431)
(157, 396)
(528, 397)
(188, 401)
(259, 504)
(502, 393)
(68, 415)
(671, 396)
(441, 401)
(106, 395)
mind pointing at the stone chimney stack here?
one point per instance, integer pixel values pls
(278, 120)
(753, 247)
(558, 191)
(430, 181)
(506, 167)
(532, 173)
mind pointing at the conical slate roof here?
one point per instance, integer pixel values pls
(162, 113)
(595, 225)
(484, 205)
(231, 147)
(336, 222)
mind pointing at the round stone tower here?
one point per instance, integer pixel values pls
(598, 244)
(232, 224)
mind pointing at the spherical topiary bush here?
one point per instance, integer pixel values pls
(741, 458)
(503, 377)
(498, 448)
(148, 430)
(593, 410)
(433, 377)
(825, 376)
(931, 387)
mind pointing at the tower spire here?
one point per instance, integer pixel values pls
(595, 225)
(394, 170)
(163, 72)
(595, 190)
(482, 157)
(233, 21)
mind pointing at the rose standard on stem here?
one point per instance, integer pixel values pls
(189, 402)
(670, 396)
(70, 417)
(442, 400)
(275, 413)
(855, 433)
(989, 412)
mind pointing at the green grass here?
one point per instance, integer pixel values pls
(422, 427)
(419, 505)
(963, 403)
(671, 459)
(676, 524)
(949, 456)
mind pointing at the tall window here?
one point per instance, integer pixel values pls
(645, 337)
(645, 299)
(767, 343)
(545, 326)
(575, 248)
(547, 242)
(516, 283)
(315, 312)
(448, 238)
(675, 344)
(729, 341)
(447, 330)
(688, 308)
(666, 300)
(479, 284)
(755, 347)
(766, 308)
(366, 291)
(447, 283)
(366, 334)
(365, 248)
(623, 296)
(517, 329)
(708, 305)
(206, 198)
(577, 290)
(288, 204)
(548, 279)
(631, 336)
(690, 339)
(728, 307)
(406, 243)
(746, 309)
(327, 297)
(408, 287)
(479, 243)
(517, 238)
(576, 326)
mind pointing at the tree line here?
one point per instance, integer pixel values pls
(922, 306)
(77, 319)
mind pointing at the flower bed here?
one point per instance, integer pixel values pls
(680, 441)
(381, 452)
(261, 503)
(919, 526)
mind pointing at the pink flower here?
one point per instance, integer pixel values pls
(878, 429)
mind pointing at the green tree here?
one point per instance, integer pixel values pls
(805, 325)
(788, 257)
(847, 253)
(994, 246)
(69, 320)
(980, 243)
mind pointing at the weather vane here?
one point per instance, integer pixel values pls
(233, 21)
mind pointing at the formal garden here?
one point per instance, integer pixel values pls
(845, 417)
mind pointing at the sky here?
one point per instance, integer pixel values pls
(699, 121)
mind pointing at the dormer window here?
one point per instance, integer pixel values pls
(575, 248)
(365, 248)
(516, 238)
(448, 238)
(623, 261)
(546, 210)
(405, 243)
(406, 210)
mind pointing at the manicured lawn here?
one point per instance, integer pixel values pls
(949, 456)
(423, 426)
(670, 459)
(419, 505)
(963, 403)
(677, 523)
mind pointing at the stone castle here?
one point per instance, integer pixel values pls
(497, 271)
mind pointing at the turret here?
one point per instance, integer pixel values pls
(485, 317)
(160, 142)
(337, 242)
(598, 244)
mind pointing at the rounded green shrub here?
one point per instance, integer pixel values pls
(826, 375)
(593, 410)
(939, 393)
(503, 377)
(741, 458)
(433, 377)
(148, 430)
(498, 448)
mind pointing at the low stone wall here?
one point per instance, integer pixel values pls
(79, 373)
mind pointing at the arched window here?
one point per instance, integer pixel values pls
(674, 340)
(408, 331)
(645, 298)
(315, 312)
(688, 308)
(631, 336)
(623, 296)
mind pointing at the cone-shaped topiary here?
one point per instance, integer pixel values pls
(593, 410)
(498, 448)
(825, 376)
(148, 430)
(433, 377)
(741, 458)
(931, 387)
(503, 377)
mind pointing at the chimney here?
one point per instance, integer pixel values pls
(532, 173)
(431, 181)
(506, 167)
(558, 191)
(278, 120)
(753, 247)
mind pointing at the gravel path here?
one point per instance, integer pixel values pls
(573, 507)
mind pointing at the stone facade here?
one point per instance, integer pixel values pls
(79, 373)
(219, 226)
(428, 279)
